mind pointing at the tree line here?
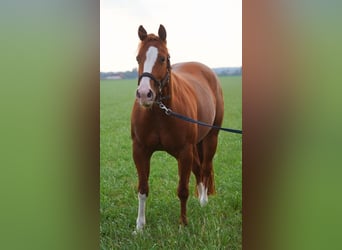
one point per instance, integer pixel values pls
(133, 74)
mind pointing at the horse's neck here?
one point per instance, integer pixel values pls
(177, 88)
(168, 91)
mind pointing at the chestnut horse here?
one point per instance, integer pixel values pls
(191, 89)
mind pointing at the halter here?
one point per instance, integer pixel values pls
(160, 83)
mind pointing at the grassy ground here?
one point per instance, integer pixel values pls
(216, 226)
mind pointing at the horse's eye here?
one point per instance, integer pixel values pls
(162, 59)
(138, 59)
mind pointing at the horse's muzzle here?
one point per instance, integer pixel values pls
(145, 97)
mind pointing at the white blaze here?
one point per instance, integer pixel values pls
(151, 58)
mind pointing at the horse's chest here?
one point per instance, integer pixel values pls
(162, 138)
(169, 138)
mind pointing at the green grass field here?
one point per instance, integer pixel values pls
(215, 226)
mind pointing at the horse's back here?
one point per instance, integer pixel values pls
(200, 77)
(196, 71)
(206, 87)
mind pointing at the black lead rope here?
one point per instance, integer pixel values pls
(169, 112)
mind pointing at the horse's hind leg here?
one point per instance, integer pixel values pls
(196, 166)
(185, 163)
(207, 186)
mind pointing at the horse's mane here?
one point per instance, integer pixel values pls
(152, 37)
(149, 38)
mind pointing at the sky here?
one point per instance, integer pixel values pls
(203, 31)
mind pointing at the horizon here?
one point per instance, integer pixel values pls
(218, 39)
(122, 71)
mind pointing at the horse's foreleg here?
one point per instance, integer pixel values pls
(142, 163)
(185, 160)
(141, 220)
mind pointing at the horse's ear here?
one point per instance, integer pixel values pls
(142, 33)
(162, 33)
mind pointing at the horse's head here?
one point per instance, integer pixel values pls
(154, 66)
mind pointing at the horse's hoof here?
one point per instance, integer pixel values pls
(203, 201)
(137, 231)
(183, 221)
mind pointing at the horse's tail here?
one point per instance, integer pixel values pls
(211, 183)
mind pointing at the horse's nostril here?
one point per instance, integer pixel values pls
(149, 94)
(138, 94)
